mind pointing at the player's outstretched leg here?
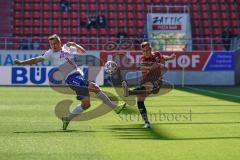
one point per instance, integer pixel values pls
(75, 112)
(99, 93)
(141, 90)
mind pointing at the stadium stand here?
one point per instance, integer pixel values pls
(42, 17)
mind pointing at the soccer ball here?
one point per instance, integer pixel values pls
(110, 67)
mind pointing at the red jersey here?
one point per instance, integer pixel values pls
(156, 62)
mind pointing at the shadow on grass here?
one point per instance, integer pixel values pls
(135, 132)
(60, 131)
(224, 93)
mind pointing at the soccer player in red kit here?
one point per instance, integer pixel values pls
(152, 68)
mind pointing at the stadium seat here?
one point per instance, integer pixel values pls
(36, 15)
(111, 7)
(46, 15)
(74, 31)
(102, 31)
(17, 7)
(74, 23)
(224, 15)
(17, 22)
(102, 7)
(92, 7)
(27, 22)
(111, 23)
(111, 15)
(17, 30)
(130, 7)
(83, 31)
(130, 15)
(121, 23)
(120, 7)
(27, 14)
(36, 22)
(83, 7)
(120, 15)
(46, 7)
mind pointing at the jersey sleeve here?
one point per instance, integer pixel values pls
(71, 49)
(46, 55)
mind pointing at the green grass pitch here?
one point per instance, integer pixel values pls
(191, 123)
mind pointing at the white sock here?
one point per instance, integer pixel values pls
(105, 99)
(75, 112)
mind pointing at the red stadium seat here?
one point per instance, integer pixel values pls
(46, 7)
(17, 22)
(27, 22)
(36, 6)
(16, 30)
(121, 23)
(233, 15)
(55, 23)
(17, 6)
(140, 24)
(55, 7)
(65, 23)
(215, 15)
(46, 22)
(204, 7)
(120, 15)
(224, 15)
(83, 7)
(223, 7)
(102, 7)
(111, 7)
(36, 22)
(36, 31)
(17, 14)
(27, 14)
(102, 31)
(120, 7)
(74, 7)
(93, 31)
(130, 7)
(64, 31)
(93, 7)
(111, 15)
(27, 31)
(83, 31)
(27, 6)
(130, 15)
(130, 24)
(74, 31)
(111, 23)
(234, 23)
(131, 31)
(65, 15)
(55, 30)
(74, 23)
(74, 15)
(36, 15)
(46, 14)
(112, 32)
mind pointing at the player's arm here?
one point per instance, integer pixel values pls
(167, 58)
(80, 49)
(29, 61)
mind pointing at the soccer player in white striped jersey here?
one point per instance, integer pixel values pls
(60, 55)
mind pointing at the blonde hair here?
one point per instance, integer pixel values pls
(55, 36)
(143, 44)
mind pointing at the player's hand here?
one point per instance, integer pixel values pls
(69, 44)
(17, 62)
